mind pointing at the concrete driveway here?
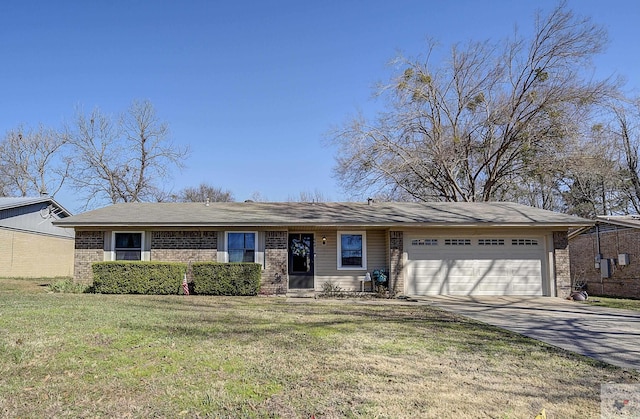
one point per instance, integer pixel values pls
(609, 335)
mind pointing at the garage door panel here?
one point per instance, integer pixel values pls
(459, 289)
(476, 269)
(423, 273)
(489, 289)
(493, 269)
(428, 267)
(427, 287)
(455, 272)
(527, 289)
(526, 267)
(480, 286)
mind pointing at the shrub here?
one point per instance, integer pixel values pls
(331, 290)
(213, 278)
(68, 286)
(135, 277)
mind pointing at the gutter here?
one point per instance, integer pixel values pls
(331, 225)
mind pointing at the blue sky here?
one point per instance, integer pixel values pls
(251, 86)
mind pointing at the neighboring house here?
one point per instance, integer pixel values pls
(30, 245)
(606, 256)
(427, 248)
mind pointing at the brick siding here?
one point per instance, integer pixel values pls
(89, 248)
(396, 276)
(184, 246)
(625, 279)
(274, 276)
(561, 261)
(180, 240)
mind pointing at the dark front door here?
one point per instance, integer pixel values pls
(300, 260)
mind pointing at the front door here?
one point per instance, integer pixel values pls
(300, 260)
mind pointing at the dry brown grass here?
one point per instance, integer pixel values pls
(69, 355)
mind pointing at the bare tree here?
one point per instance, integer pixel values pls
(625, 129)
(308, 196)
(33, 162)
(592, 182)
(476, 128)
(123, 159)
(202, 193)
(257, 196)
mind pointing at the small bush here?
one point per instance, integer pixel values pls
(68, 286)
(134, 277)
(213, 278)
(331, 290)
(382, 292)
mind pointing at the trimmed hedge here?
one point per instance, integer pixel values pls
(214, 278)
(135, 277)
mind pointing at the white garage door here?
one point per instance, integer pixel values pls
(474, 266)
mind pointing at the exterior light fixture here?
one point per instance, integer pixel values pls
(324, 240)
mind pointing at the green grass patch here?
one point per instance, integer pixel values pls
(68, 285)
(96, 355)
(623, 303)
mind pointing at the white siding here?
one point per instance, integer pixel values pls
(468, 262)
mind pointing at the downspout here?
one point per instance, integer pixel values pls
(598, 258)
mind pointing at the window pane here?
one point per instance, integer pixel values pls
(128, 240)
(241, 247)
(351, 249)
(236, 241)
(351, 260)
(249, 241)
(128, 246)
(351, 242)
(127, 255)
(249, 256)
(236, 255)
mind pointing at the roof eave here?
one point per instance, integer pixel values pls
(623, 223)
(39, 200)
(327, 225)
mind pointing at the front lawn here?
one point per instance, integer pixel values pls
(610, 302)
(90, 355)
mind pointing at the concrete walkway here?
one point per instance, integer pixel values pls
(609, 335)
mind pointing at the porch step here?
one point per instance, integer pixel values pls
(301, 293)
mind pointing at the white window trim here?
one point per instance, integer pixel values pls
(364, 251)
(144, 254)
(255, 241)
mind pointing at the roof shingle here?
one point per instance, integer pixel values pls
(321, 214)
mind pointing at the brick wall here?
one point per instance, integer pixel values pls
(561, 262)
(274, 276)
(184, 246)
(89, 248)
(625, 279)
(180, 240)
(396, 276)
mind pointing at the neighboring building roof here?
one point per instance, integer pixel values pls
(632, 221)
(608, 223)
(385, 214)
(16, 202)
(33, 215)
